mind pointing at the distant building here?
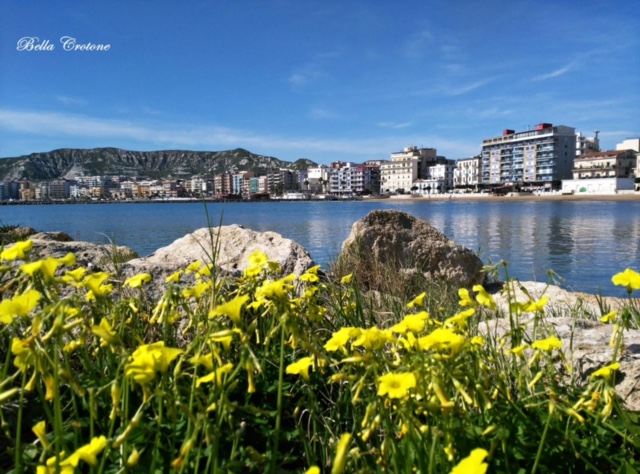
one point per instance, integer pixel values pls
(405, 167)
(468, 172)
(539, 156)
(603, 172)
(586, 145)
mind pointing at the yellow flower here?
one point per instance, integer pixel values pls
(105, 332)
(138, 280)
(396, 384)
(19, 305)
(258, 259)
(460, 320)
(605, 372)
(16, 251)
(547, 344)
(312, 470)
(204, 360)
(417, 301)
(72, 277)
(340, 338)
(23, 354)
(373, 338)
(465, 298)
(628, 278)
(519, 350)
(309, 276)
(301, 367)
(94, 283)
(534, 306)
(149, 359)
(40, 430)
(232, 309)
(340, 459)
(198, 290)
(87, 453)
(484, 298)
(193, 267)
(472, 464)
(412, 322)
(215, 375)
(174, 277)
(610, 317)
(441, 340)
(275, 289)
(345, 280)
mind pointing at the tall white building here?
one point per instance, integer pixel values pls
(405, 167)
(586, 145)
(468, 172)
(539, 156)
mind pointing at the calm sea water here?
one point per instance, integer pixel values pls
(585, 243)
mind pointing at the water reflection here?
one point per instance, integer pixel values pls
(584, 242)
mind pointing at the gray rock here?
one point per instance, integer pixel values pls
(397, 240)
(94, 256)
(235, 244)
(585, 345)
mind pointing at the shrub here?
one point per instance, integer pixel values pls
(278, 373)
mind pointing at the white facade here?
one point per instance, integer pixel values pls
(541, 155)
(318, 179)
(404, 168)
(468, 172)
(597, 186)
(586, 145)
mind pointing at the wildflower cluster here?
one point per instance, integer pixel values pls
(269, 372)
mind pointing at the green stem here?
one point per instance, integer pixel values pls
(542, 440)
(18, 452)
(276, 434)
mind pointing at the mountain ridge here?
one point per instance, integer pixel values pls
(71, 162)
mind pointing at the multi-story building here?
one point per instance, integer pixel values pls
(605, 164)
(586, 145)
(405, 167)
(349, 179)
(468, 172)
(539, 156)
(59, 189)
(603, 172)
(318, 178)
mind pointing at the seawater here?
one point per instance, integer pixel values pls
(583, 242)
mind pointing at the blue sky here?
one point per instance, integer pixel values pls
(325, 80)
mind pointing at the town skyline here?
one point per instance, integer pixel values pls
(343, 82)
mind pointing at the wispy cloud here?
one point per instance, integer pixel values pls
(557, 73)
(465, 89)
(394, 125)
(81, 128)
(419, 45)
(66, 100)
(322, 113)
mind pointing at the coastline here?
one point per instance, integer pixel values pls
(635, 196)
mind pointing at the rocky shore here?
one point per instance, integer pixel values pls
(390, 239)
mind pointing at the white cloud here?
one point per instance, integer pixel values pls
(394, 125)
(558, 72)
(81, 128)
(464, 89)
(66, 100)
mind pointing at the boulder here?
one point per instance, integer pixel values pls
(235, 243)
(94, 256)
(585, 344)
(398, 242)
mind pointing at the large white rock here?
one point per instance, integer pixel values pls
(231, 246)
(574, 318)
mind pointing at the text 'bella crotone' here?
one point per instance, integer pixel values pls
(69, 43)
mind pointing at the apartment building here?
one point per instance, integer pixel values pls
(539, 156)
(586, 145)
(468, 172)
(605, 164)
(405, 167)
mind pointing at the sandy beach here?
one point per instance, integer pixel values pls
(635, 196)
